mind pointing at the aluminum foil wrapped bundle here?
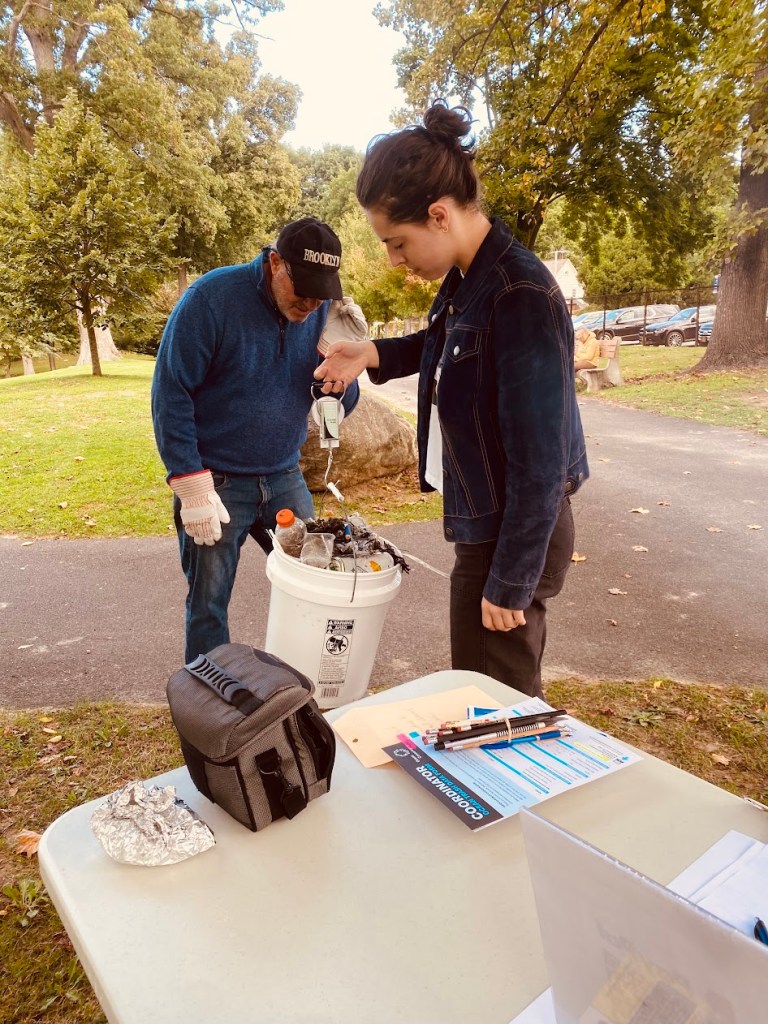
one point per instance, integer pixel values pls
(149, 826)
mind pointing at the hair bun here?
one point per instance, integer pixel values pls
(450, 125)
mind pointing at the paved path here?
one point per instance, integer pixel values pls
(103, 618)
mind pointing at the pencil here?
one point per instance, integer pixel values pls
(553, 734)
(491, 725)
(494, 735)
(466, 723)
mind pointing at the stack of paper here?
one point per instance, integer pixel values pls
(730, 880)
(483, 785)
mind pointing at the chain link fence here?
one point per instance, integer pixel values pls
(647, 307)
(683, 298)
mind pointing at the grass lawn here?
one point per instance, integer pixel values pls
(78, 454)
(653, 381)
(78, 459)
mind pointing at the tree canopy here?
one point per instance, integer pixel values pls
(191, 110)
(78, 234)
(623, 107)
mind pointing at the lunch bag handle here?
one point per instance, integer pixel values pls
(216, 679)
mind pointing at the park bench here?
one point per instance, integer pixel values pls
(607, 370)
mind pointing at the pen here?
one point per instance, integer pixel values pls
(470, 723)
(761, 932)
(553, 734)
(483, 726)
(488, 735)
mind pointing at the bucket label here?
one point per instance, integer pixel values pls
(337, 644)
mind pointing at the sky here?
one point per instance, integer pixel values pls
(341, 59)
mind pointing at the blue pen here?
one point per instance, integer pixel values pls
(496, 745)
(554, 735)
(761, 932)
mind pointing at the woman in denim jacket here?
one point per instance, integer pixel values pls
(499, 431)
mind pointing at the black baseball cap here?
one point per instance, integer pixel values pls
(313, 252)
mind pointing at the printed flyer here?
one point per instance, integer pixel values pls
(483, 785)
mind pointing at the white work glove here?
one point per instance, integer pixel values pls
(202, 510)
(346, 322)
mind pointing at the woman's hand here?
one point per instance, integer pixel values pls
(344, 362)
(502, 619)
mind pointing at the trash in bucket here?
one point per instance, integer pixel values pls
(326, 623)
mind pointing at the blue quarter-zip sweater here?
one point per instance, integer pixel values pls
(231, 389)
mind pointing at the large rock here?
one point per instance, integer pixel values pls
(374, 441)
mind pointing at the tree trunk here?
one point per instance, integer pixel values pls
(528, 224)
(90, 329)
(740, 333)
(107, 350)
(27, 364)
(182, 278)
(51, 360)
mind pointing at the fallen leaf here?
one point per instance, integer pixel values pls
(662, 502)
(754, 526)
(576, 557)
(714, 529)
(56, 739)
(642, 511)
(612, 622)
(627, 575)
(686, 472)
(27, 543)
(378, 508)
(63, 504)
(603, 459)
(656, 684)
(27, 842)
(51, 732)
(638, 547)
(45, 719)
(720, 759)
(615, 591)
(78, 458)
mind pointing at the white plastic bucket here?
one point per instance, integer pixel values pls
(317, 626)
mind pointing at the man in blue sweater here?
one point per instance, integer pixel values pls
(230, 398)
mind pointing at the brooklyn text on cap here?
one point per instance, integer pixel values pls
(313, 252)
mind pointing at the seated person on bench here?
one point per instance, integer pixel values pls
(587, 350)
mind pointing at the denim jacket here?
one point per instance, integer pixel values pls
(513, 445)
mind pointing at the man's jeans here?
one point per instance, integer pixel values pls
(252, 503)
(512, 657)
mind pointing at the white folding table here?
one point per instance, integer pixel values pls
(358, 911)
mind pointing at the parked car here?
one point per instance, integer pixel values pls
(586, 319)
(705, 332)
(627, 323)
(681, 327)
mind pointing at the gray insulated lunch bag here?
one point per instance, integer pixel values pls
(251, 734)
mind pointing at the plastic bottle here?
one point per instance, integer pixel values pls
(290, 532)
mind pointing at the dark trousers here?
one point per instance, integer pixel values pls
(512, 657)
